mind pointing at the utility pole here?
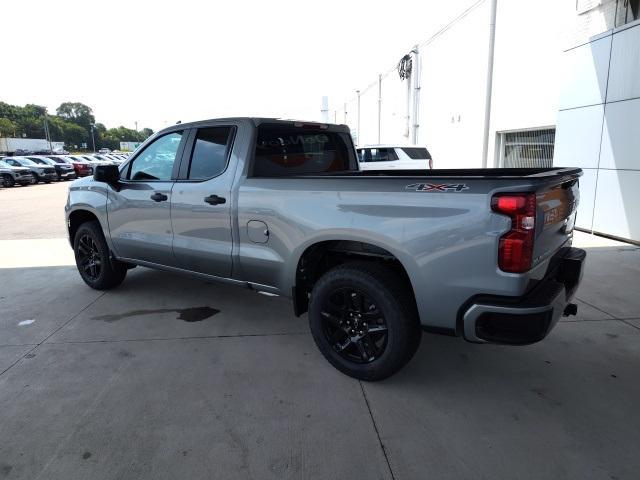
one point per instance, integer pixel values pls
(93, 140)
(358, 130)
(324, 112)
(345, 113)
(416, 93)
(379, 104)
(487, 101)
(47, 135)
(136, 122)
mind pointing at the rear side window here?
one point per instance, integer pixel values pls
(378, 155)
(282, 150)
(417, 153)
(210, 151)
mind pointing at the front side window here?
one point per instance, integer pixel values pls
(209, 154)
(290, 150)
(156, 161)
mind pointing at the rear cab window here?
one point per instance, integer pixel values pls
(302, 149)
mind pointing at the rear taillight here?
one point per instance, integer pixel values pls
(515, 251)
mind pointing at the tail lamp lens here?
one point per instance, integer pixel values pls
(515, 250)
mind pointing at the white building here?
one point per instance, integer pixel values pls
(534, 52)
(599, 118)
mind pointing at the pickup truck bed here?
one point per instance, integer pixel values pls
(475, 173)
(280, 206)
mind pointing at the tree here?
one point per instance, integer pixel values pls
(78, 113)
(7, 128)
(145, 133)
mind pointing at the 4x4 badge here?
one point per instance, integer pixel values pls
(437, 187)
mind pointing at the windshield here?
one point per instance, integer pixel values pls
(25, 161)
(5, 165)
(38, 160)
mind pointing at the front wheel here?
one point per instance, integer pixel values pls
(93, 260)
(8, 181)
(364, 321)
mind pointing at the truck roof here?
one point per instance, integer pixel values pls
(255, 120)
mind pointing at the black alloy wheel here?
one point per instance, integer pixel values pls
(93, 258)
(89, 258)
(364, 319)
(353, 325)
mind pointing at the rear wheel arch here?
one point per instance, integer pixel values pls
(322, 256)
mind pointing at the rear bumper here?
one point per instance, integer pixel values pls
(48, 177)
(25, 179)
(527, 319)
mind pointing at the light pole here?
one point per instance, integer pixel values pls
(93, 140)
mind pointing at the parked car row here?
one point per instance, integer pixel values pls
(33, 169)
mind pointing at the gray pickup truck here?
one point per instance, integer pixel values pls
(375, 257)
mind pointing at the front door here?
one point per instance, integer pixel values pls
(201, 202)
(139, 210)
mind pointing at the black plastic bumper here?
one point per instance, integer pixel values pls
(527, 319)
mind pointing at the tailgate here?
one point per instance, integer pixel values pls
(555, 217)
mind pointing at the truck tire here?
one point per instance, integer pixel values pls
(8, 181)
(93, 260)
(364, 320)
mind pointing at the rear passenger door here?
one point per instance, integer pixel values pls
(201, 202)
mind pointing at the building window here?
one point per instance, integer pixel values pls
(627, 11)
(526, 148)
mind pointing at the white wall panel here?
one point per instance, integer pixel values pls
(617, 200)
(624, 73)
(578, 137)
(587, 197)
(585, 73)
(621, 136)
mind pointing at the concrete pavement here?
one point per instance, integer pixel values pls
(170, 377)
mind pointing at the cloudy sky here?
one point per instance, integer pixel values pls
(159, 62)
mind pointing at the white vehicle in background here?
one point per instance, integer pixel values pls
(101, 158)
(394, 157)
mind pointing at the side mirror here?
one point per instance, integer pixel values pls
(107, 173)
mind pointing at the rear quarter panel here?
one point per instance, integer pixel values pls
(446, 241)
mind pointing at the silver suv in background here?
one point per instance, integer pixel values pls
(10, 175)
(41, 173)
(394, 157)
